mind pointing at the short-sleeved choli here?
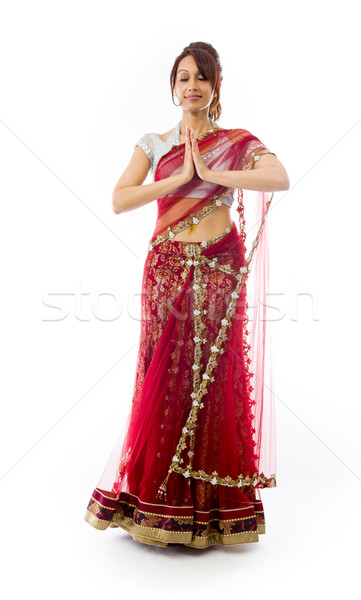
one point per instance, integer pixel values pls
(146, 144)
(155, 148)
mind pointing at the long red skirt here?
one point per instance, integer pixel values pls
(207, 458)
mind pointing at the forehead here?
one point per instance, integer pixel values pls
(187, 63)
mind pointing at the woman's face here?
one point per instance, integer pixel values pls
(190, 83)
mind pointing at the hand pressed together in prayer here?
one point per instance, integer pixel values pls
(198, 160)
(193, 160)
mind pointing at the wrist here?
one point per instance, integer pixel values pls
(180, 179)
(206, 175)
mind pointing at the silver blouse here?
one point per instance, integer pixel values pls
(155, 148)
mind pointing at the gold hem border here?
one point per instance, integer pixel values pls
(95, 521)
(164, 538)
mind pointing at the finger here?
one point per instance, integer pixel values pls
(187, 141)
(188, 144)
(190, 140)
(189, 135)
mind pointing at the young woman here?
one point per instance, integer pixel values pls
(199, 442)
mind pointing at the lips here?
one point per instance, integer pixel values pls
(192, 97)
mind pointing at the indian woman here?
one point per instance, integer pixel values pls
(199, 441)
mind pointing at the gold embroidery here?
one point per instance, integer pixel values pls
(200, 384)
(211, 536)
(254, 157)
(193, 219)
(216, 530)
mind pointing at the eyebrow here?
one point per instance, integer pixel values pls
(187, 71)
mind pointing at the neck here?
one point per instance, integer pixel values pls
(200, 123)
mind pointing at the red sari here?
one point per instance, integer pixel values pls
(199, 441)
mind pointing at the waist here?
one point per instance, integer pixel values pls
(209, 227)
(174, 221)
(227, 241)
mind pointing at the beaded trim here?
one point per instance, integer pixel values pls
(200, 383)
(254, 157)
(215, 127)
(144, 146)
(193, 219)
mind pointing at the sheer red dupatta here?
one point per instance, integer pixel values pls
(224, 149)
(232, 149)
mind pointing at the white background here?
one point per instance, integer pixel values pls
(80, 83)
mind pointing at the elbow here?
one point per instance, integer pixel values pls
(283, 181)
(116, 209)
(116, 202)
(285, 184)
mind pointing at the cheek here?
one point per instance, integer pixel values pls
(207, 91)
(179, 88)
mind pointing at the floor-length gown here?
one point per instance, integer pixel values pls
(199, 442)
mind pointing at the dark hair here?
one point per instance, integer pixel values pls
(208, 63)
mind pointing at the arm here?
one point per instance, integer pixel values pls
(268, 175)
(129, 193)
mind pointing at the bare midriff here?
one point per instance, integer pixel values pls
(209, 227)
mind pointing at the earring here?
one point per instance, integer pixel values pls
(174, 102)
